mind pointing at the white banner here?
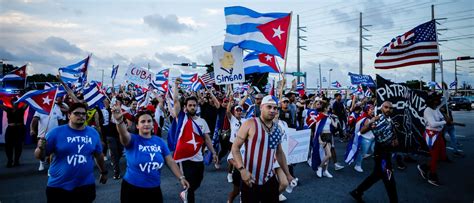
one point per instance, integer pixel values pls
(228, 66)
(139, 76)
(296, 145)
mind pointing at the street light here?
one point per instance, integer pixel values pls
(421, 82)
(329, 86)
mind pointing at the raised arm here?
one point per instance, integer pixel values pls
(215, 101)
(124, 136)
(177, 104)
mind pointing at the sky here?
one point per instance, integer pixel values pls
(51, 34)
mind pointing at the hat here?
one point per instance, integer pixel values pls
(285, 99)
(238, 107)
(269, 99)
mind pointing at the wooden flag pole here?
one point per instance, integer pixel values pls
(286, 49)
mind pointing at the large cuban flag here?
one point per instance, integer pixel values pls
(263, 32)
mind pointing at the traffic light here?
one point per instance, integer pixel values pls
(460, 58)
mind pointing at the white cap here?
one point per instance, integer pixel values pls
(269, 100)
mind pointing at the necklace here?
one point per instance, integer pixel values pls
(268, 129)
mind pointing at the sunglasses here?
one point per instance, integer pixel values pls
(79, 113)
(388, 107)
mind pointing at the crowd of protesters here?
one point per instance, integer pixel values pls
(243, 127)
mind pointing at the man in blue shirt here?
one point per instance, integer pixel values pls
(74, 147)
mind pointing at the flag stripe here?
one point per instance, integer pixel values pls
(412, 55)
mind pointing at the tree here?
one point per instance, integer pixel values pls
(415, 84)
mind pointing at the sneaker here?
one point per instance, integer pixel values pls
(358, 169)
(184, 196)
(423, 170)
(105, 158)
(229, 178)
(281, 198)
(357, 196)
(319, 173)
(117, 177)
(433, 179)
(327, 174)
(41, 166)
(293, 184)
(338, 166)
(217, 166)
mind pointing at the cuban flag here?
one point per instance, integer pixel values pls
(160, 85)
(17, 74)
(163, 74)
(453, 84)
(76, 72)
(114, 72)
(256, 62)
(263, 32)
(198, 85)
(40, 100)
(318, 153)
(311, 115)
(189, 138)
(244, 87)
(93, 95)
(336, 84)
(352, 147)
(61, 91)
(189, 79)
(6, 96)
(434, 84)
(368, 93)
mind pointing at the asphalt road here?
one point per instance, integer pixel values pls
(26, 184)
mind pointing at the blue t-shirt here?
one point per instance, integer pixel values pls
(145, 157)
(73, 162)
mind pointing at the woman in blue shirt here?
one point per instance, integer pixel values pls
(145, 154)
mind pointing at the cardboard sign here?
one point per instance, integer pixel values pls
(296, 145)
(228, 66)
(139, 76)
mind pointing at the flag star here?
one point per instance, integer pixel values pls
(193, 142)
(268, 58)
(278, 32)
(21, 72)
(46, 100)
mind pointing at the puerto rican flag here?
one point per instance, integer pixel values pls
(190, 138)
(40, 100)
(17, 74)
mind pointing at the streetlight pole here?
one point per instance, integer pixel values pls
(102, 82)
(329, 85)
(421, 82)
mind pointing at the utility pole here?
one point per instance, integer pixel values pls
(361, 46)
(320, 80)
(102, 82)
(433, 69)
(298, 46)
(456, 76)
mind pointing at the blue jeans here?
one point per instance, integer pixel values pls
(452, 136)
(365, 144)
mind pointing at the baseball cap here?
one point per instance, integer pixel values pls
(238, 107)
(269, 99)
(285, 99)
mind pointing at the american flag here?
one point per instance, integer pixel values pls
(208, 78)
(417, 46)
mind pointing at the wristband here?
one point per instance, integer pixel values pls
(181, 177)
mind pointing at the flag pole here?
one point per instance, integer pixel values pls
(54, 103)
(286, 49)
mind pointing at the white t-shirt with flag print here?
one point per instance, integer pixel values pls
(204, 129)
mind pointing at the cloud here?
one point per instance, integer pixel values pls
(166, 24)
(170, 58)
(60, 45)
(213, 11)
(18, 19)
(373, 13)
(349, 42)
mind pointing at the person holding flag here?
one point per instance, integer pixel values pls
(192, 132)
